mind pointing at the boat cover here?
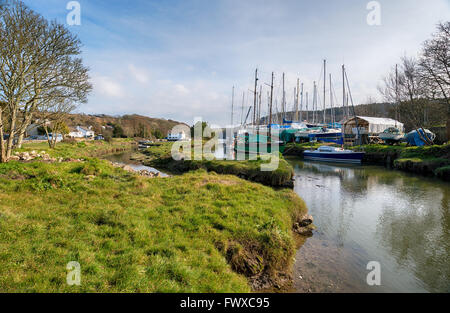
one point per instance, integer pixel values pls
(414, 139)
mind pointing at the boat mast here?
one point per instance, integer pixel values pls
(259, 106)
(307, 112)
(353, 108)
(283, 104)
(294, 107)
(242, 109)
(324, 89)
(255, 96)
(301, 104)
(333, 119)
(232, 106)
(344, 111)
(314, 103)
(270, 110)
(296, 102)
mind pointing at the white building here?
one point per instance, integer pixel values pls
(82, 132)
(181, 136)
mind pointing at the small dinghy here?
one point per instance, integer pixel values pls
(333, 154)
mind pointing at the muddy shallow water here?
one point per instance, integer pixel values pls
(125, 158)
(369, 213)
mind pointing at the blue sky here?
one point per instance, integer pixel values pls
(180, 59)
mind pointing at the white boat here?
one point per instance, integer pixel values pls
(333, 154)
(305, 132)
(391, 135)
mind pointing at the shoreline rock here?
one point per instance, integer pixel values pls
(304, 226)
(129, 169)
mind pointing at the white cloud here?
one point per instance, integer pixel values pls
(140, 75)
(181, 89)
(108, 87)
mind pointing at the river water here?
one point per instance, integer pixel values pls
(368, 213)
(125, 158)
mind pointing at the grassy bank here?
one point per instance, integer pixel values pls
(297, 149)
(197, 232)
(159, 156)
(81, 149)
(427, 160)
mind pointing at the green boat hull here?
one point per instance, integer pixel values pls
(255, 149)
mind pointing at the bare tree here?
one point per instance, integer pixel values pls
(435, 68)
(55, 115)
(405, 87)
(39, 70)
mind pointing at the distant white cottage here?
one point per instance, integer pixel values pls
(82, 132)
(181, 136)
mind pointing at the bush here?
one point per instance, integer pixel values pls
(108, 138)
(69, 140)
(157, 134)
(118, 131)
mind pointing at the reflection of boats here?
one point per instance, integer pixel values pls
(260, 144)
(333, 154)
(391, 135)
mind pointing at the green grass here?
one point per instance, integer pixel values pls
(427, 160)
(159, 156)
(297, 149)
(403, 151)
(80, 149)
(197, 232)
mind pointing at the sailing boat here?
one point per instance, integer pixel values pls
(258, 143)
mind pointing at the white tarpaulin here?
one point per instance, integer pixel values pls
(379, 124)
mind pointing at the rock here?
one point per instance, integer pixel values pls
(14, 158)
(306, 220)
(128, 168)
(304, 231)
(89, 177)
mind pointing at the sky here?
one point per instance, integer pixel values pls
(180, 59)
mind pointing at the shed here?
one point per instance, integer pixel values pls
(371, 126)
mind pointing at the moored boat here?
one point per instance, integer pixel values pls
(257, 144)
(333, 154)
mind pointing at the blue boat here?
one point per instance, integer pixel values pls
(417, 138)
(333, 154)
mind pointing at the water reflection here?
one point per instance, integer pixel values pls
(368, 214)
